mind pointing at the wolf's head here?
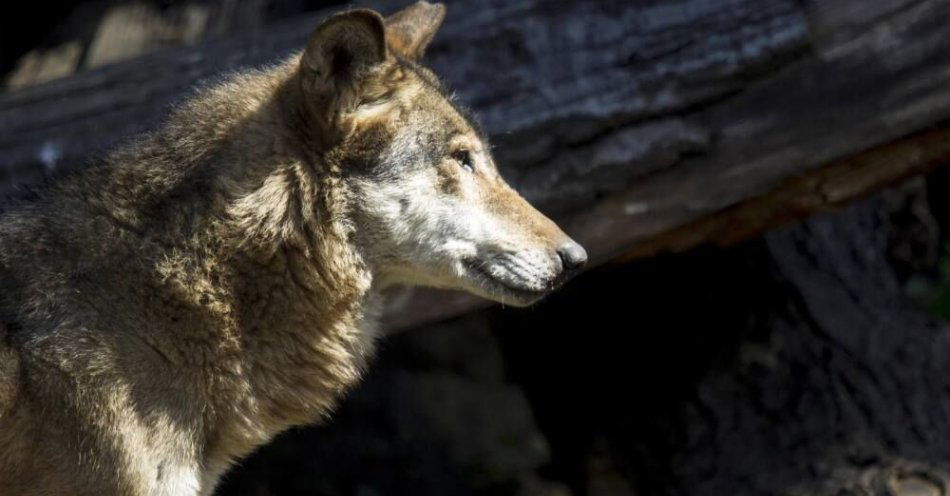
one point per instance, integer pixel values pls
(427, 202)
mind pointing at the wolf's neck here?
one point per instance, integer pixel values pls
(301, 296)
(253, 235)
(305, 315)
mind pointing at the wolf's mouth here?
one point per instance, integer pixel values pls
(518, 293)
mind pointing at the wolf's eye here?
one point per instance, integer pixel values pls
(464, 158)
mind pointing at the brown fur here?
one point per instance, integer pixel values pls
(213, 283)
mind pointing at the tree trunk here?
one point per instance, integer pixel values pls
(636, 124)
(792, 364)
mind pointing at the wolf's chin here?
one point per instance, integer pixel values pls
(496, 289)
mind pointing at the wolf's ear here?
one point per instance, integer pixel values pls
(410, 30)
(341, 53)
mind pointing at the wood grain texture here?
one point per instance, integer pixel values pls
(791, 364)
(627, 121)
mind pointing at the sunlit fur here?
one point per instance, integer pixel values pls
(213, 283)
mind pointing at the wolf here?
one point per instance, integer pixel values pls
(205, 286)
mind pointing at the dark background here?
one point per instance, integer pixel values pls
(775, 366)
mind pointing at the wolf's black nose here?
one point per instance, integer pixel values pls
(573, 256)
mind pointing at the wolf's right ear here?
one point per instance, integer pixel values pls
(341, 53)
(410, 30)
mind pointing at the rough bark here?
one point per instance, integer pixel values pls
(789, 365)
(625, 120)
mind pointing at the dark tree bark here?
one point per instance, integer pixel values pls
(634, 123)
(788, 365)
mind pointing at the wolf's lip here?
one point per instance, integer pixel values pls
(518, 291)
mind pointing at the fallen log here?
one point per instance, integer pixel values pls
(790, 364)
(641, 127)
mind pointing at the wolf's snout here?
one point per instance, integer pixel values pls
(573, 256)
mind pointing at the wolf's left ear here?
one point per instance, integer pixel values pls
(410, 30)
(340, 57)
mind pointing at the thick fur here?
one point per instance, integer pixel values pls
(217, 281)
